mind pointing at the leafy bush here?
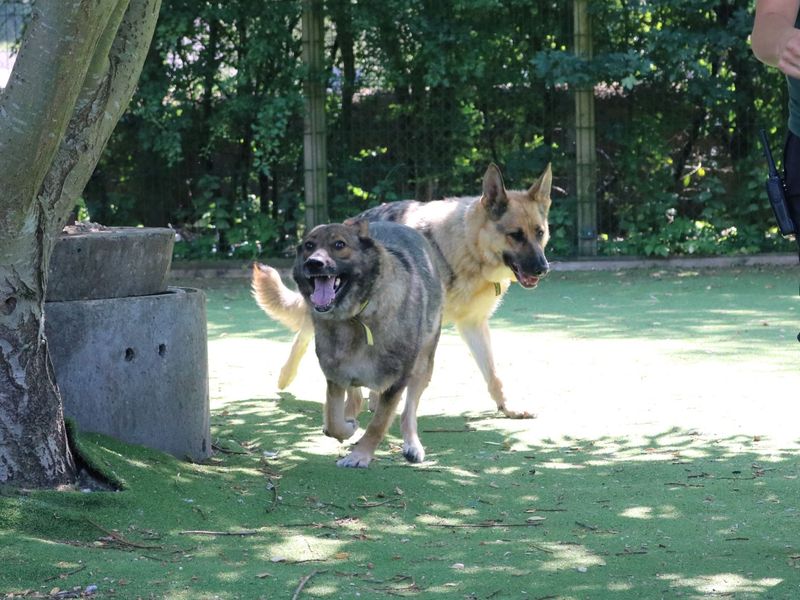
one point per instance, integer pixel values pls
(424, 95)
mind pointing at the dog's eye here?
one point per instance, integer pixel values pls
(517, 236)
(309, 246)
(539, 234)
(339, 245)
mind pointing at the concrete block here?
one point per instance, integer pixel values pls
(135, 368)
(109, 263)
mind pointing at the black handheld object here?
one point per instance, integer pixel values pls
(776, 191)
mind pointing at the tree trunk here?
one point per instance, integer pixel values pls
(76, 71)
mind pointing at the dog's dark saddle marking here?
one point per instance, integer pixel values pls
(390, 211)
(395, 212)
(401, 256)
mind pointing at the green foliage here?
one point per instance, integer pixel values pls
(423, 95)
(210, 144)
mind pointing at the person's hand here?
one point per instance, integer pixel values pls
(789, 53)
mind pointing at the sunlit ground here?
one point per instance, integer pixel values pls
(721, 364)
(694, 368)
(664, 463)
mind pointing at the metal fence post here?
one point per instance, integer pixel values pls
(314, 132)
(585, 157)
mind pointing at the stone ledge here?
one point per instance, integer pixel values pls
(112, 262)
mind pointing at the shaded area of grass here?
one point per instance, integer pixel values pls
(624, 505)
(486, 517)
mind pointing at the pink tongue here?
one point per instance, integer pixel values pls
(323, 291)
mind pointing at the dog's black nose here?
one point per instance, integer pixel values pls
(314, 264)
(542, 269)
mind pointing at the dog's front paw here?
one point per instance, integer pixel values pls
(516, 414)
(356, 460)
(414, 453)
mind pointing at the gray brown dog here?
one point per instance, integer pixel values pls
(481, 244)
(376, 309)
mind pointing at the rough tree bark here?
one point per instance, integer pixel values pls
(76, 71)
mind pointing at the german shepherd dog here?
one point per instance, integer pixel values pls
(481, 244)
(376, 310)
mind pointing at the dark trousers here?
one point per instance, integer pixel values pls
(791, 178)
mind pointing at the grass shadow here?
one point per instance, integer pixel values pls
(623, 489)
(488, 515)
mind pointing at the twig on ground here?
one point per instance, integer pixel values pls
(65, 575)
(687, 485)
(117, 538)
(487, 525)
(304, 581)
(595, 529)
(399, 503)
(243, 532)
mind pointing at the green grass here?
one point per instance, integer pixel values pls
(664, 463)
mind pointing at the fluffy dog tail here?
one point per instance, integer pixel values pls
(287, 307)
(278, 301)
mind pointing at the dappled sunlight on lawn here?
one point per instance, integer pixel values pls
(664, 462)
(665, 443)
(560, 557)
(651, 512)
(301, 547)
(721, 584)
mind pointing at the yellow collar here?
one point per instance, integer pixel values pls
(367, 330)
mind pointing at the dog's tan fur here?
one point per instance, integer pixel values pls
(470, 236)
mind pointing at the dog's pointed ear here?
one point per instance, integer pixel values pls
(494, 198)
(540, 190)
(361, 228)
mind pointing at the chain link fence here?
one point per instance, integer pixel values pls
(421, 95)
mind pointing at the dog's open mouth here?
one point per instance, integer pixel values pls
(525, 280)
(326, 289)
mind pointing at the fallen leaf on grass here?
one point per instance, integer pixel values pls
(535, 519)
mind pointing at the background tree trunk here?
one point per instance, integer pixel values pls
(74, 76)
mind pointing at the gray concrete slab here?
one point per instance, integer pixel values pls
(113, 262)
(136, 368)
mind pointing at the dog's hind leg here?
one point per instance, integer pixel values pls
(336, 425)
(364, 449)
(355, 400)
(477, 338)
(299, 346)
